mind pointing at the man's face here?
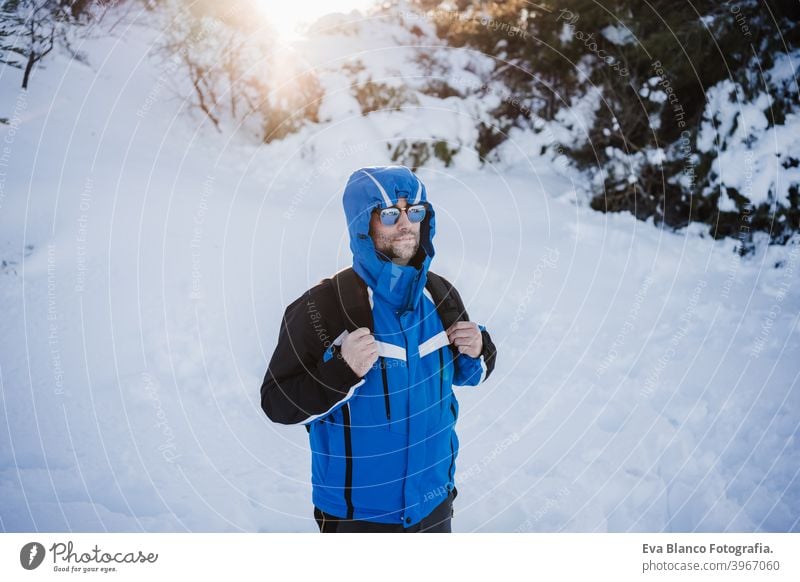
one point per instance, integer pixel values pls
(400, 241)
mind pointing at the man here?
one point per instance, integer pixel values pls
(377, 400)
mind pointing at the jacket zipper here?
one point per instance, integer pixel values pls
(441, 380)
(348, 460)
(405, 345)
(452, 450)
(386, 390)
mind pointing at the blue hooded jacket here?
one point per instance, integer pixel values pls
(384, 447)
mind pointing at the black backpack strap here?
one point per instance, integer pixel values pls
(352, 299)
(451, 309)
(447, 300)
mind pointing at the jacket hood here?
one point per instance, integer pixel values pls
(381, 187)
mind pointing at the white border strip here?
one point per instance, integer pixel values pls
(350, 393)
(386, 198)
(391, 351)
(431, 345)
(419, 191)
(483, 373)
(557, 556)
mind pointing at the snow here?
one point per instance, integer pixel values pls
(726, 203)
(646, 380)
(757, 158)
(567, 33)
(620, 34)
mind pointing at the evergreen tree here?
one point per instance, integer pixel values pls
(651, 65)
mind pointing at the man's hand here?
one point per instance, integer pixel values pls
(359, 350)
(466, 336)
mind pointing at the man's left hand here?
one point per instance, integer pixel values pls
(466, 336)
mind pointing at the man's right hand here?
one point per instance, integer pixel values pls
(359, 350)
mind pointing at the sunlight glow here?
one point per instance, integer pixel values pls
(290, 18)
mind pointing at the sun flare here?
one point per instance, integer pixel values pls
(290, 19)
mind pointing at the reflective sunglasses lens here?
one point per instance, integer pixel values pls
(416, 213)
(389, 216)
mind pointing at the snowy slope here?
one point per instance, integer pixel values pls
(646, 381)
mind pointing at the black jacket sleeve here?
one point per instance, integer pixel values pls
(489, 351)
(300, 385)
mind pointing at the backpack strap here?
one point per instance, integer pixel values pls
(352, 299)
(448, 303)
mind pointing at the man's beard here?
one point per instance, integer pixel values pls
(399, 249)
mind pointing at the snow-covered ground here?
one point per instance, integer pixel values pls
(646, 380)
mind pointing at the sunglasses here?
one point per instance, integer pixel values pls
(390, 216)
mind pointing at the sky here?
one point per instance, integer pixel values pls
(289, 18)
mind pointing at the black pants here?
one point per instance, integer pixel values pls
(438, 521)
